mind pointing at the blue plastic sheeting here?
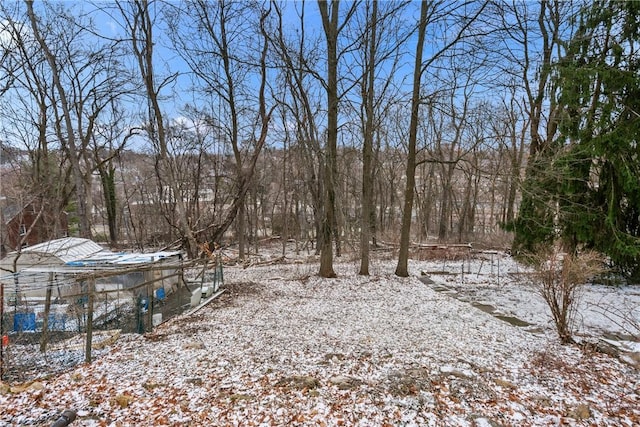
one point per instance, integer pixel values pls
(57, 322)
(160, 295)
(24, 322)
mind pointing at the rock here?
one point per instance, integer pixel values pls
(543, 401)
(329, 358)
(193, 345)
(344, 382)
(300, 382)
(464, 389)
(151, 385)
(122, 400)
(334, 356)
(426, 279)
(631, 358)
(409, 382)
(459, 373)
(36, 386)
(581, 412)
(504, 384)
(194, 381)
(238, 397)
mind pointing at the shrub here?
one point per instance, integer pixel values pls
(560, 277)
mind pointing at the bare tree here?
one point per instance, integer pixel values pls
(430, 13)
(410, 172)
(109, 139)
(367, 143)
(329, 12)
(26, 117)
(64, 124)
(379, 48)
(70, 81)
(534, 31)
(509, 125)
(296, 57)
(221, 53)
(389, 176)
(139, 23)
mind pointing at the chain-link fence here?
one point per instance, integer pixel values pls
(53, 320)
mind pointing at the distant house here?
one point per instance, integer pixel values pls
(28, 225)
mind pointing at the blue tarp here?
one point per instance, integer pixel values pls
(24, 322)
(57, 322)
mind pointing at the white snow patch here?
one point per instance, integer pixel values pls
(264, 354)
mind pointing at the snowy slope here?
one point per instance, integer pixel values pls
(285, 347)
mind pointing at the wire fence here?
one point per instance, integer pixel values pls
(52, 321)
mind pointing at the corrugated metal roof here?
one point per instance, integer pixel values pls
(122, 258)
(68, 249)
(78, 255)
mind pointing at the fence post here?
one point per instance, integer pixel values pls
(45, 322)
(149, 325)
(220, 266)
(150, 308)
(87, 350)
(139, 319)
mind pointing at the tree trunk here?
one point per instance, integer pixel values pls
(403, 256)
(330, 25)
(107, 178)
(245, 174)
(367, 148)
(445, 204)
(68, 139)
(240, 229)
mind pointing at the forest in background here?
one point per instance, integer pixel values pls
(332, 123)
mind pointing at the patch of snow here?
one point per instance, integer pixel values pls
(266, 351)
(506, 285)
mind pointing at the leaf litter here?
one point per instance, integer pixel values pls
(285, 347)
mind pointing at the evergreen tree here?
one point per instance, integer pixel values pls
(591, 184)
(600, 92)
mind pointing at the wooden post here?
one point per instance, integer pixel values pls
(204, 269)
(45, 322)
(149, 307)
(149, 276)
(90, 289)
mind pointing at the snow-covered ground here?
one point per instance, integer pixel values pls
(284, 347)
(610, 313)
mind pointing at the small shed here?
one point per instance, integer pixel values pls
(28, 273)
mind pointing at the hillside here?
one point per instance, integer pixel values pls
(283, 347)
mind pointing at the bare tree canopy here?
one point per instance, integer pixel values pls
(339, 126)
